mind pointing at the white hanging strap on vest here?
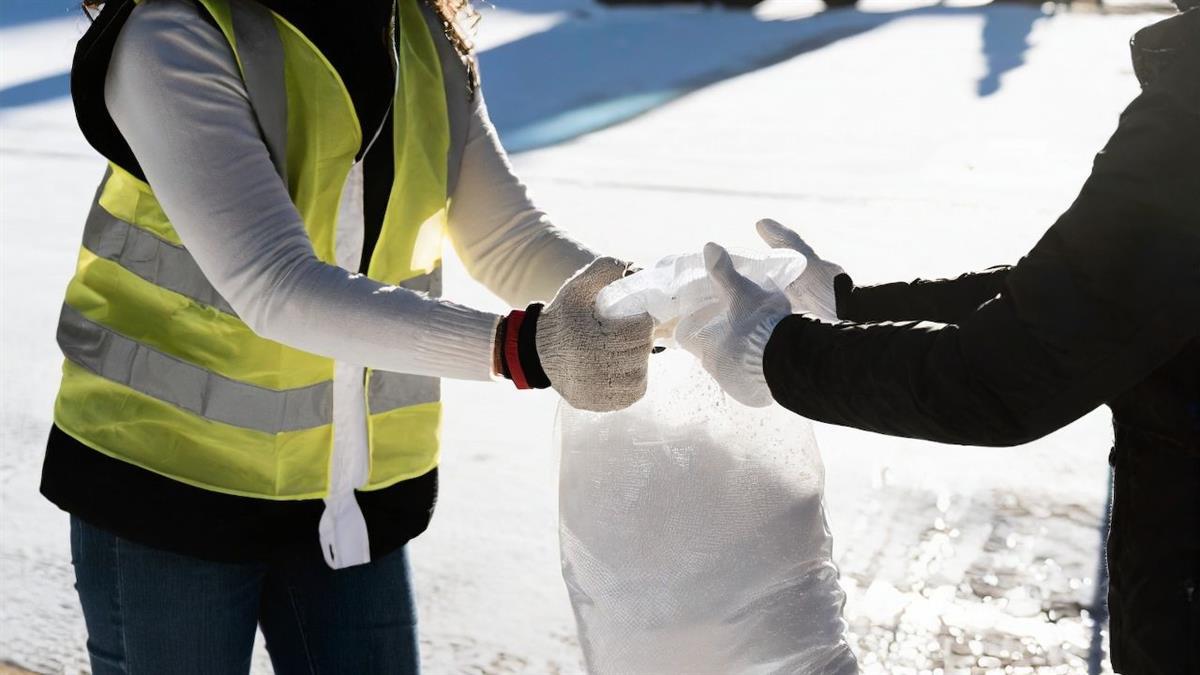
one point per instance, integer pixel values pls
(344, 538)
(342, 528)
(343, 531)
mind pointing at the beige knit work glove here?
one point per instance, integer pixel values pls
(593, 363)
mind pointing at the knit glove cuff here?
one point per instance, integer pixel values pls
(516, 347)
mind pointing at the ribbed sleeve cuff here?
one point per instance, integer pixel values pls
(459, 343)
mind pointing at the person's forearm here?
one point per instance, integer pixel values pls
(175, 92)
(940, 300)
(329, 311)
(996, 380)
(903, 379)
(505, 241)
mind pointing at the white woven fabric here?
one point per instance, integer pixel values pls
(692, 527)
(679, 286)
(693, 535)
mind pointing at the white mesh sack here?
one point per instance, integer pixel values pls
(678, 285)
(692, 529)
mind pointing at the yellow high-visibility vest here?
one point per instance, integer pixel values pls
(159, 370)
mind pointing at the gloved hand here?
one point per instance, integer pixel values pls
(813, 291)
(729, 336)
(594, 364)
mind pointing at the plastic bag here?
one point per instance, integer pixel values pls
(693, 534)
(678, 286)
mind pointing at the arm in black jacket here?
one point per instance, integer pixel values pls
(1111, 292)
(941, 300)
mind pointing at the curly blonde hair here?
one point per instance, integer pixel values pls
(459, 19)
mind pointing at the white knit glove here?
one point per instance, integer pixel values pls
(593, 363)
(729, 336)
(813, 291)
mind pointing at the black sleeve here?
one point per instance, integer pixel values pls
(941, 300)
(1111, 292)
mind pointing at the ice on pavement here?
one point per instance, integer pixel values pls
(905, 140)
(694, 536)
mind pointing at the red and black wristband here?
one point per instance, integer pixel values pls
(517, 348)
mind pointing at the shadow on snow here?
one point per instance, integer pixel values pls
(604, 67)
(22, 12)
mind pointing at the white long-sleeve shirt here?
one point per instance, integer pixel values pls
(175, 92)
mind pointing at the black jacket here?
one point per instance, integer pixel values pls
(1104, 310)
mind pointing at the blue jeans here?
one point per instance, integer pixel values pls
(154, 612)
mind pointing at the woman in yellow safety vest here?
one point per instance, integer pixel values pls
(247, 427)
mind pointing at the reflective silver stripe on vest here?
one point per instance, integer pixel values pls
(158, 261)
(389, 391)
(166, 378)
(260, 50)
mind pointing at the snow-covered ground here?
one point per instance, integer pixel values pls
(903, 140)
